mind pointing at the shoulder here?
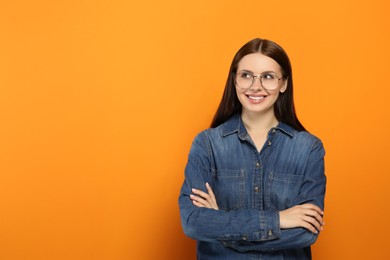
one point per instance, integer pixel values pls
(307, 136)
(229, 127)
(300, 138)
(208, 134)
(215, 138)
(312, 143)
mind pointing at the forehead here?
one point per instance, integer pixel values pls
(258, 63)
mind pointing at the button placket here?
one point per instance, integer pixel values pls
(257, 183)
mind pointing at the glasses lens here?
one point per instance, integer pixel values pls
(269, 81)
(244, 80)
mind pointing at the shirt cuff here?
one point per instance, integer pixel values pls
(269, 225)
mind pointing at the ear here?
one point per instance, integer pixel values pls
(284, 87)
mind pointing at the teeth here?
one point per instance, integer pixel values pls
(256, 98)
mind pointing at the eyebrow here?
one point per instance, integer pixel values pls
(264, 72)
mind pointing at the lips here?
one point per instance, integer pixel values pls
(255, 97)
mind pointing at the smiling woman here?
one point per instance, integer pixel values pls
(254, 183)
(259, 96)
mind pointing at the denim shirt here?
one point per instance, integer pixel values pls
(251, 188)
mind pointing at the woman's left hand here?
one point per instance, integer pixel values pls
(204, 200)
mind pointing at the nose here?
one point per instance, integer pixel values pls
(256, 85)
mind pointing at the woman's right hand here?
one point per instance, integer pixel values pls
(308, 216)
(203, 199)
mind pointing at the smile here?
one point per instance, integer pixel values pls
(256, 97)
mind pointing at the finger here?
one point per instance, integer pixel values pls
(211, 193)
(201, 193)
(199, 200)
(206, 197)
(319, 218)
(308, 226)
(209, 190)
(313, 222)
(199, 205)
(313, 207)
(208, 201)
(316, 215)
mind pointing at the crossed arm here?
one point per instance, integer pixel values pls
(307, 216)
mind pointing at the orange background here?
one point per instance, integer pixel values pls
(100, 101)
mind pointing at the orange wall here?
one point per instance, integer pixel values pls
(100, 100)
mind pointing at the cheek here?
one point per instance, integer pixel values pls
(237, 92)
(240, 95)
(273, 98)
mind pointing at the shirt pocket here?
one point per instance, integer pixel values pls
(282, 189)
(228, 187)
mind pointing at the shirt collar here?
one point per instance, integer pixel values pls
(235, 125)
(284, 128)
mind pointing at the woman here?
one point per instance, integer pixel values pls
(254, 183)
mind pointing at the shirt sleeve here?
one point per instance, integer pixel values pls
(312, 191)
(211, 225)
(247, 229)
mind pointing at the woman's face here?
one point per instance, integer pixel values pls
(257, 99)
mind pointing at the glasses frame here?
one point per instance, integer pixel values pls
(254, 78)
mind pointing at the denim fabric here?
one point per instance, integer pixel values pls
(251, 188)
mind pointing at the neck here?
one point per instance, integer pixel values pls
(259, 122)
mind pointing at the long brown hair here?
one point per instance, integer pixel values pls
(284, 106)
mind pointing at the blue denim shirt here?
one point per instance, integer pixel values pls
(251, 188)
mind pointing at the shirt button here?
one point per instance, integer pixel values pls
(269, 143)
(244, 238)
(270, 232)
(273, 131)
(257, 165)
(257, 189)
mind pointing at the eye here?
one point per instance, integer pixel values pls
(245, 75)
(269, 76)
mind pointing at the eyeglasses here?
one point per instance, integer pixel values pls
(245, 80)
